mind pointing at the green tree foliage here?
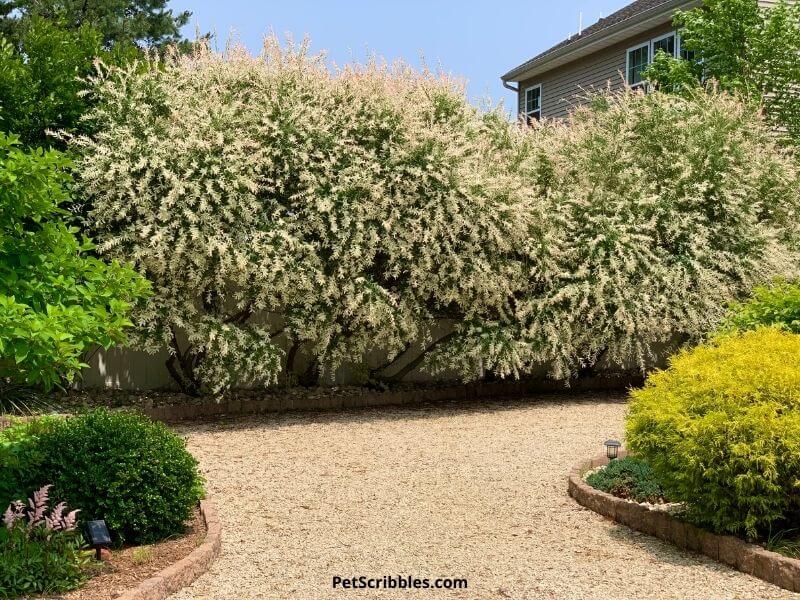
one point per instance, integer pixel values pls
(41, 79)
(721, 429)
(777, 305)
(743, 48)
(139, 22)
(56, 299)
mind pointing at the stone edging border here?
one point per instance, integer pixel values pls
(732, 551)
(185, 571)
(333, 400)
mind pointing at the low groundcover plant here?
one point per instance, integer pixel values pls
(629, 478)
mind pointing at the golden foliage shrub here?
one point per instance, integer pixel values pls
(721, 429)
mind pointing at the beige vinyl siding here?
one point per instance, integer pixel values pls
(563, 87)
(771, 3)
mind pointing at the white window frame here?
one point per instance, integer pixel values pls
(679, 46)
(650, 54)
(674, 34)
(525, 110)
(648, 44)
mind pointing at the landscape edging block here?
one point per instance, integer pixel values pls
(180, 574)
(274, 402)
(772, 567)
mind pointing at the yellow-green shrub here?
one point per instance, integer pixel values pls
(721, 429)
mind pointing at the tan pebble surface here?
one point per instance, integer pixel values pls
(470, 490)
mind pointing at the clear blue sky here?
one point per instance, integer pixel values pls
(476, 40)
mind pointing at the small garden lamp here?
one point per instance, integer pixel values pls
(98, 535)
(612, 448)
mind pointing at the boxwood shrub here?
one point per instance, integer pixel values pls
(721, 429)
(118, 466)
(20, 457)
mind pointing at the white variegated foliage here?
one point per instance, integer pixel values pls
(361, 205)
(365, 204)
(660, 210)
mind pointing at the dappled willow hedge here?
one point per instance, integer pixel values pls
(366, 206)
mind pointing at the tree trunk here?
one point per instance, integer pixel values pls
(181, 367)
(397, 377)
(310, 377)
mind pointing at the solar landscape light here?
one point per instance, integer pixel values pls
(612, 448)
(98, 535)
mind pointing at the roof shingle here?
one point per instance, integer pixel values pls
(623, 14)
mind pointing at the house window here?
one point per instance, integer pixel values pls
(638, 59)
(533, 104)
(683, 52)
(666, 43)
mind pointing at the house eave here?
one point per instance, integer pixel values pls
(599, 40)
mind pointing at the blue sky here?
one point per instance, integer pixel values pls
(477, 40)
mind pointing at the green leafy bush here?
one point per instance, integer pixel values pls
(118, 466)
(721, 429)
(19, 455)
(39, 548)
(628, 478)
(56, 300)
(777, 305)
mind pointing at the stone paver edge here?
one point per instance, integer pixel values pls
(732, 551)
(185, 571)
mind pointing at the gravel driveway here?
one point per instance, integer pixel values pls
(473, 491)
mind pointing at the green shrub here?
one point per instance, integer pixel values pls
(40, 549)
(721, 429)
(57, 300)
(118, 466)
(19, 456)
(778, 305)
(628, 478)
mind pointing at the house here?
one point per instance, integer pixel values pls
(611, 53)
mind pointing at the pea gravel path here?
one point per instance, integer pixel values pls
(458, 490)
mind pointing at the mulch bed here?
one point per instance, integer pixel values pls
(130, 566)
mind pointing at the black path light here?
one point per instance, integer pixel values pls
(612, 448)
(98, 535)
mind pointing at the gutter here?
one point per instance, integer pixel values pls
(597, 37)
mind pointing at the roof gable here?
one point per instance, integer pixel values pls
(629, 13)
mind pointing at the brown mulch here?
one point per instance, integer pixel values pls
(130, 566)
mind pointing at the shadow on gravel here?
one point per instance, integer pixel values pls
(666, 552)
(406, 412)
